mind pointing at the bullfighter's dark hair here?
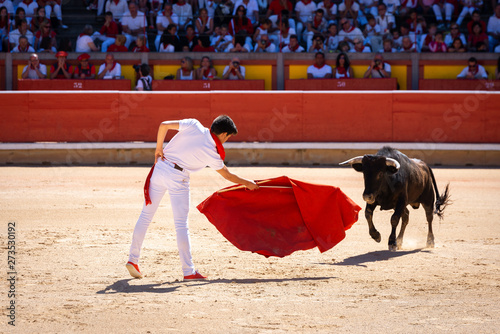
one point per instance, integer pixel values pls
(223, 123)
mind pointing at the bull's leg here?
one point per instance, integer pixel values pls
(369, 218)
(404, 221)
(398, 211)
(430, 216)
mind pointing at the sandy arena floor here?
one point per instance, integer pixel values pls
(74, 226)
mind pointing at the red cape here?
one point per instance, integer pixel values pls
(279, 221)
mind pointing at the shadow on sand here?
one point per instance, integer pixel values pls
(360, 260)
(123, 286)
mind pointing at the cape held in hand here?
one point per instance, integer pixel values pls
(284, 215)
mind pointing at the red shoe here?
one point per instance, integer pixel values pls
(195, 277)
(133, 269)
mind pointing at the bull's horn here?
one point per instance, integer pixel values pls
(356, 160)
(392, 162)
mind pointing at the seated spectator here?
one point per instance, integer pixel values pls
(189, 40)
(437, 45)
(164, 21)
(262, 29)
(234, 71)
(84, 70)
(343, 69)
(274, 12)
(47, 46)
(332, 39)
(186, 72)
(344, 47)
(493, 29)
(372, 33)
(19, 16)
(117, 7)
(251, 7)
(23, 46)
(330, 10)
(416, 23)
(206, 70)
(264, 45)
(156, 8)
(108, 32)
(22, 30)
(304, 10)
(38, 19)
(203, 44)
(223, 40)
(283, 37)
(444, 6)
(5, 26)
(110, 69)
(118, 46)
(145, 81)
(368, 7)
(478, 40)
(349, 10)
(61, 69)
(140, 44)
(385, 20)
(359, 47)
(53, 6)
(294, 45)
(223, 13)
(316, 25)
(387, 47)
(473, 71)
(240, 44)
(84, 42)
(133, 24)
(169, 40)
(397, 39)
(184, 12)
(318, 44)
(431, 36)
(469, 6)
(476, 17)
(408, 46)
(378, 68)
(34, 70)
(392, 6)
(29, 7)
(241, 24)
(204, 24)
(457, 46)
(9, 6)
(45, 32)
(320, 70)
(349, 32)
(454, 33)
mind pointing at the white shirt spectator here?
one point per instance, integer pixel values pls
(377, 74)
(352, 33)
(480, 74)
(134, 23)
(18, 50)
(161, 19)
(333, 42)
(116, 71)
(372, 31)
(270, 48)
(287, 49)
(383, 22)
(392, 5)
(15, 34)
(82, 43)
(166, 48)
(448, 40)
(32, 73)
(29, 9)
(305, 10)
(493, 25)
(251, 7)
(234, 76)
(331, 11)
(354, 6)
(184, 12)
(117, 7)
(7, 4)
(366, 49)
(319, 72)
(140, 83)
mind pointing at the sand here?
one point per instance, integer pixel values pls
(74, 227)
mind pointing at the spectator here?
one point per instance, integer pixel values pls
(53, 6)
(416, 23)
(388, 46)
(431, 36)
(23, 46)
(252, 9)
(133, 24)
(119, 45)
(385, 20)
(285, 33)
(84, 70)
(168, 41)
(473, 71)
(349, 32)
(204, 24)
(455, 33)
(239, 44)
(330, 10)
(368, 7)
(359, 47)
(318, 44)
(8, 6)
(164, 20)
(5, 26)
(221, 43)
(223, 13)
(349, 10)
(494, 29)
(38, 19)
(45, 32)
(437, 45)
(19, 16)
(457, 46)
(145, 81)
(332, 39)
(407, 6)
(264, 45)
(84, 42)
(108, 32)
(274, 12)
(206, 70)
(263, 29)
(110, 69)
(186, 71)
(34, 70)
(408, 45)
(156, 6)
(294, 45)
(29, 7)
(316, 25)
(476, 17)
(320, 70)
(304, 10)
(343, 69)
(469, 6)
(478, 40)
(117, 7)
(444, 6)
(378, 68)
(189, 41)
(204, 44)
(372, 33)
(344, 47)
(140, 44)
(22, 30)
(241, 23)
(61, 69)
(234, 71)
(184, 12)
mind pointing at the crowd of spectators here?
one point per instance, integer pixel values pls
(260, 26)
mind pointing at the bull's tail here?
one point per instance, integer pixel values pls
(441, 201)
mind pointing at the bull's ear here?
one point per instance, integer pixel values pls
(358, 167)
(391, 170)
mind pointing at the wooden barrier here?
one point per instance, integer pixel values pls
(260, 116)
(73, 84)
(341, 84)
(458, 84)
(201, 85)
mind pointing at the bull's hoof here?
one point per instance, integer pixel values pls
(392, 248)
(430, 243)
(376, 236)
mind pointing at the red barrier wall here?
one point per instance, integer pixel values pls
(260, 116)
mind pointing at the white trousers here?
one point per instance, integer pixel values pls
(164, 178)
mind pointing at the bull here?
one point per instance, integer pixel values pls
(393, 181)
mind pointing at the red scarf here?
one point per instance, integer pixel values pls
(316, 65)
(316, 23)
(341, 70)
(294, 48)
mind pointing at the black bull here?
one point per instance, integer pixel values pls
(393, 181)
